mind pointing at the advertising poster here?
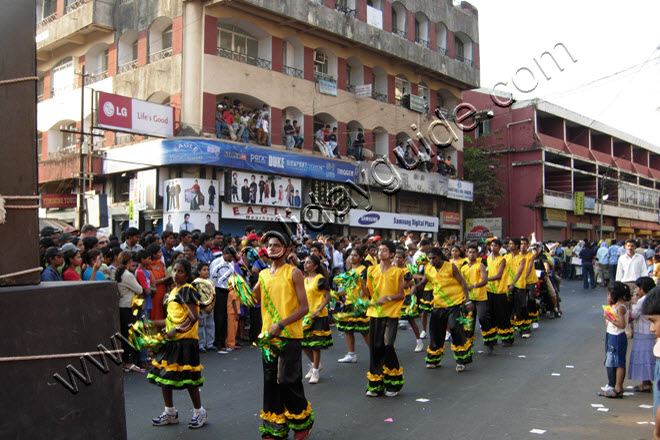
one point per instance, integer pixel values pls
(264, 189)
(479, 229)
(190, 204)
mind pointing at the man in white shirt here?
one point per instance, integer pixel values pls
(631, 265)
(424, 246)
(221, 269)
(338, 256)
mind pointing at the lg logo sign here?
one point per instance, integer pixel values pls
(109, 110)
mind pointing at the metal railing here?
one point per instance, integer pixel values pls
(442, 50)
(46, 21)
(563, 195)
(100, 143)
(96, 77)
(124, 139)
(422, 42)
(244, 58)
(127, 67)
(63, 151)
(73, 6)
(382, 97)
(462, 59)
(399, 32)
(325, 76)
(344, 9)
(61, 90)
(292, 71)
(160, 55)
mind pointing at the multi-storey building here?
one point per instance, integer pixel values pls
(307, 60)
(564, 175)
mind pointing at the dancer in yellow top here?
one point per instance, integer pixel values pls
(316, 325)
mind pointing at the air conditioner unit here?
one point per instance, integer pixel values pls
(319, 57)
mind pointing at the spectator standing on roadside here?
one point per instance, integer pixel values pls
(603, 263)
(631, 265)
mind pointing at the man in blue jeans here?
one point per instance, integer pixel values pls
(613, 257)
(220, 124)
(587, 255)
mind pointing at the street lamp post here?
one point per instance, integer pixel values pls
(602, 208)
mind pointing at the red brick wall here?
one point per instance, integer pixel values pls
(142, 48)
(450, 44)
(390, 147)
(362, 10)
(59, 9)
(433, 36)
(367, 76)
(109, 138)
(308, 132)
(308, 63)
(81, 63)
(341, 73)
(411, 26)
(112, 59)
(208, 113)
(47, 84)
(433, 101)
(413, 88)
(276, 57)
(276, 126)
(390, 90)
(44, 145)
(330, 4)
(177, 35)
(475, 55)
(175, 101)
(387, 16)
(341, 138)
(369, 142)
(210, 35)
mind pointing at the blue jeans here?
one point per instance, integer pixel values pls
(220, 128)
(612, 272)
(656, 391)
(588, 276)
(298, 141)
(206, 329)
(289, 142)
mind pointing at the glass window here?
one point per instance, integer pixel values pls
(104, 60)
(237, 40)
(135, 50)
(167, 37)
(460, 51)
(401, 87)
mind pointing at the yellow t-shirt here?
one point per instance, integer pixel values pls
(511, 269)
(372, 259)
(472, 275)
(380, 285)
(177, 311)
(406, 290)
(356, 291)
(493, 268)
(315, 296)
(447, 290)
(282, 300)
(532, 278)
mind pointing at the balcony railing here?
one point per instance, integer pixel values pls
(124, 139)
(160, 55)
(462, 59)
(292, 71)
(244, 58)
(63, 151)
(96, 77)
(47, 20)
(344, 9)
(399, 32)
(422, 42)
(382, 97)
(563, 195)
(61, 90)
(325, 76)
(442, 50)
(127, 67)
(73, 6)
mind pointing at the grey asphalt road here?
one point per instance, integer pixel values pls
(504, 396)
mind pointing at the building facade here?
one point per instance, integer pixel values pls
(368, 66)
(566, 176)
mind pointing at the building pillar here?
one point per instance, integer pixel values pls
(387, 16)
(413, 88)
(276, 126)
(341, 73)
(47, 85)
(391, 99)
(191, 68)
(433, 37)
(368, 77)
(369, 142)
(112, 59)
(142, 49)
(59, 8)
(475, 55)
(433, 101)
(451, 50)
(81, 64)
(175, 103)
(276, 54)
(109, 138)
(177, 35)
(208, 110)
(362, 10)
(308, 132)
(342, 130)
(44, 145)
(210, 35)
(390, 148)
(308, 63)
(411, 26)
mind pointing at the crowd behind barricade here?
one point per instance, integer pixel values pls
(190, 283)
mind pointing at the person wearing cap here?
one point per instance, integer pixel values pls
(52, 233)
(220, 124)
(53, 256)
(249, 250)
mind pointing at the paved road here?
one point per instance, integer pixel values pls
(503, 396)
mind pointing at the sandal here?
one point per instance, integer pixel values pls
(460, 368)
(611, 394)
(134, 368)
(637, 389)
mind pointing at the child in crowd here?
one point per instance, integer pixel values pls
(206, 331)
(616, 341)
(318, 335)
(409, 309)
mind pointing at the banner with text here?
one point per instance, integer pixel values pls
(393, 220)
(264, 189)
(257, 213)
(460, 190)
(122, 113)
(483, 228)
(190, 204)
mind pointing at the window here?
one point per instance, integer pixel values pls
(395, 19)
(320, 62)
(167, 37)
(483, 129)
(460, 49)
(237, 40)
(401, 88)
(417, 30)
(104, 60)
(135, 50)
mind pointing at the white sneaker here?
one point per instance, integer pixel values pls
(314, 378)
(535, 325)
(419, 347)
(166, 419)
(607, 388)
(372, 393)
(309, 373)
(348, 359)
(422, 335)
(391, 393)
(447, 336)
(198, 420)
(526, 336)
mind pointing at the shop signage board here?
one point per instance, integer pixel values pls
(414, 181)
(53, 201)
(417, 104)
(363, 91)
(122, 113)
(232, 211)
(374, 17)
(483, 228)
(578, 203)
(264, 189)
(555, 214)
(393, 220)
(451, 220)
(197, 198)
(460, 190)
(327, 87)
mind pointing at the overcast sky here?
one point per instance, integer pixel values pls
(605, 37)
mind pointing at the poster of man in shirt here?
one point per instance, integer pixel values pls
(189, 203)
(266, 189)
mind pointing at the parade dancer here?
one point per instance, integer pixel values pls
(384, 286)
(353, 321)
(316, 325)
(498, 303)
(516, 285)
(475, 273)
(409, 308)
(530, 279)
(451, 302)
(284, 304)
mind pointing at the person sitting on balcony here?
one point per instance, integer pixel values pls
(264, 110)
(358, 146)
(228, 117)
(252, 125)
(450, 169)
(320, 142)
(245, 122)
(332, 143)
(220, 123)
(296, 137)
(263, 133)
(289, 133)
(237, 126)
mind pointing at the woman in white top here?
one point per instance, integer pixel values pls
(616, 343)
(128, 287)
(642, 361)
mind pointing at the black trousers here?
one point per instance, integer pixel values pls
(500, 307)
(385, 373)
(220, 316)
(461, 341)
(532, 307)
(488, 330)
(521, 319)
(255, 323)
(285, 405)
(127, 319)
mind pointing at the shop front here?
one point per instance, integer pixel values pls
(389, 224)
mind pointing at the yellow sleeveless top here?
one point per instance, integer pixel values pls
(532, 278)
(356, 291)
(472, 275)
(493, 269)
(406, 290)
(315, 296)
(511, 269)
(282, 300)
(380, 285)
(177, 311)
(447, 290)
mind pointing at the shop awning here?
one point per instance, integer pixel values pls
(643, 232)
(625, 231)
